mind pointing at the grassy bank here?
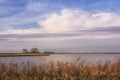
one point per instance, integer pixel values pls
(22, 54)
(61, 71)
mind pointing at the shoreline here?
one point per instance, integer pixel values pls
(42, 54)
(22, 54)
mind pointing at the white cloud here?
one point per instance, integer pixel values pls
(20, 31)
(66, 21)
(69, 20)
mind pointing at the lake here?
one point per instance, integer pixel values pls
(71, 58)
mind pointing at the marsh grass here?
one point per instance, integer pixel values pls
(60, 71)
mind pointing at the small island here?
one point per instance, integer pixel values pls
(25, 52)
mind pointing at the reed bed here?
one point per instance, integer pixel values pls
(60, 71)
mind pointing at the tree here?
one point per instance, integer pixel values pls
(24, 50)
(34, 50)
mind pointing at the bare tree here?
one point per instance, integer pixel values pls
(34, 50)
(24, 50)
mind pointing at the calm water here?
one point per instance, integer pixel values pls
(93, 58)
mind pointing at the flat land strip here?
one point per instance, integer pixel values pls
(21, 54)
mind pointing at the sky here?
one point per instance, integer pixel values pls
(60, 25)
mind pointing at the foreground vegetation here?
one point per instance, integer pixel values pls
(60, 71)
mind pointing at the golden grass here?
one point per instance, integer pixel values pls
(60, 71)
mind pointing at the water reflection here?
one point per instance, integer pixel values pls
(89, 58)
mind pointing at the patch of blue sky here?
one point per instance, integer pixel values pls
(89, 5)
(11, 7)
(33, 25)
(14, 3)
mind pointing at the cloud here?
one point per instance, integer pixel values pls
(70, 20)
(67, 24)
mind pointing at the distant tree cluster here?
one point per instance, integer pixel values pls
(33, 50)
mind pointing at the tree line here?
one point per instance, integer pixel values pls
(34, 50)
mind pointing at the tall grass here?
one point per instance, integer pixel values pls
(60, 71)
